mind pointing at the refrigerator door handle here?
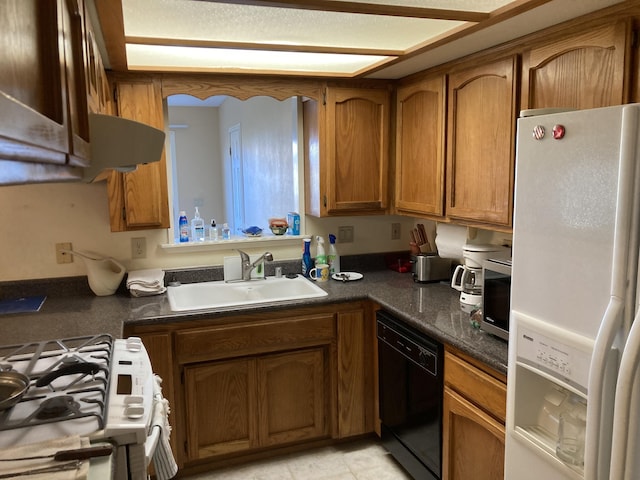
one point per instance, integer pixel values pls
(625, 417)
(594, 441)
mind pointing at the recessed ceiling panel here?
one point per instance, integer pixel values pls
(484, 6)
(247, 24)
(163, 58)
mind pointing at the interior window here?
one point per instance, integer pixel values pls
(237, 161)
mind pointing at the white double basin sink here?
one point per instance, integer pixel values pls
(211, 295)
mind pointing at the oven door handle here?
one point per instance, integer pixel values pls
(151, 443)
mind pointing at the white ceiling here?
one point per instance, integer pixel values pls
(337, 38)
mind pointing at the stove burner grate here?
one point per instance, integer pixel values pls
(79, 395)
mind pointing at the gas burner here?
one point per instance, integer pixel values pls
(57, 407)
(69, 382)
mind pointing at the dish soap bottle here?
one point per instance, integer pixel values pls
(183, 225)
(306, 257)
(333, 259)
(197, 227)
(321, 257)
(213, 231)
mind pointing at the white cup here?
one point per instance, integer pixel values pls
(320, 273)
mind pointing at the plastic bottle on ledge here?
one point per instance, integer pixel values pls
(321, 256)
(183, 225)
(307, 264)
(197, 227)
(226, 232)
(213, 230)
(333, 259)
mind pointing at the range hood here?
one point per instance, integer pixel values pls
(120, 144)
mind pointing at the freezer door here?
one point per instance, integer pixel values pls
(564, 223)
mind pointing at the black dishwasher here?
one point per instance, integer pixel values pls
(410, 367)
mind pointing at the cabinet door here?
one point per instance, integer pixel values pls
(139, 199)
(77, 104)
(220, 407)
(481, 143)
(35, 123)
(357, 150)
(293, 396)
(582, 71)
(355, 373)
(472, 441)
(420, 148)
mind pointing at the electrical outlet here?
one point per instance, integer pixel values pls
(395, 231)
(62, 255)
(345, 234)
(139, 247)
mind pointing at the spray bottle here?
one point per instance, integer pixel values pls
(306, 257)
(333, 259)
(184, 227)
(321, 256)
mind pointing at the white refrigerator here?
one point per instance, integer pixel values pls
(572, 400)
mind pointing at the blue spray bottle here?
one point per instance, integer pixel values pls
(307, 263)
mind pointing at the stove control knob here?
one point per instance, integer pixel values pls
(134, 411)
(134, 344)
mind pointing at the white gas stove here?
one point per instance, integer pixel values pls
(95, 387)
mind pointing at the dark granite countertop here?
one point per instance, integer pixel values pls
(431, 308)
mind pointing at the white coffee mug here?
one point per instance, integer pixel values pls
(320, 273)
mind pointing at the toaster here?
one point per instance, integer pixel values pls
(429, 267)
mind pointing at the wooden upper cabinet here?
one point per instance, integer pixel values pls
(346, 150)
(482, 106)
(139, 199)
(42, 92)
(420, 159)
(586, 70)
(357, 149)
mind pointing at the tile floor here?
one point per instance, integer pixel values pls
(361, 460)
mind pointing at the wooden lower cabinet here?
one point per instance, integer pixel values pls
(473, 422)
(248, 403)
(293, 396)
(220, 401)
(243, 384)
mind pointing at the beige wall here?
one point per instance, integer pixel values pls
(36, 217)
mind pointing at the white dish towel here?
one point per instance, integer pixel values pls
(143, 283)
(163, 461)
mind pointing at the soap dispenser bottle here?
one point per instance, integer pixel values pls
(197, 227)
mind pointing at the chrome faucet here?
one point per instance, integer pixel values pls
(246, 265)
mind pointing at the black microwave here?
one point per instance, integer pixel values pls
(496, 297)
